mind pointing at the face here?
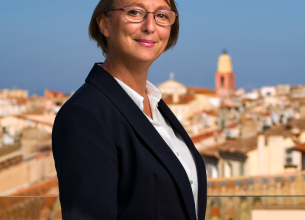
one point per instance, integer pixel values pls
(140, 42)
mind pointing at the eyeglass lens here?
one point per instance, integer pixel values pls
(137, 14)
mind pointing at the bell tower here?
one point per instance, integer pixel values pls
(224, 77)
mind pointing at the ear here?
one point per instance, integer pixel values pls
(103, 24)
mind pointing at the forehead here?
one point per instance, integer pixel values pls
(147, 4)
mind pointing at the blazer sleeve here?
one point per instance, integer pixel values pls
(86, 163)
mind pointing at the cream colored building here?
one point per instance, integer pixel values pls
(28, 160)
(11, 107)
(204, 121)
(14, 93)
(14, 124)
(274, 155)
(185, 101)
(269, 153)
(25, 173)
(171, 87)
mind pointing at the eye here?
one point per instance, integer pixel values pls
(135, 13)
(162, 16)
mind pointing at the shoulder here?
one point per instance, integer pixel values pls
(87, 97)
(87, 94)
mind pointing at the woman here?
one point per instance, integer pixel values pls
(113, 161)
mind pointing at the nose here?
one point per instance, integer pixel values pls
(149, 23)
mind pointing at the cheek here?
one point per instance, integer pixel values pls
(128, 31)
(120, 28)
(164, 33)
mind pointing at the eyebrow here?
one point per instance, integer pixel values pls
(139, 4)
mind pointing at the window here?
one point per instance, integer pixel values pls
(222, 82)
(291, 158)
(241, 169)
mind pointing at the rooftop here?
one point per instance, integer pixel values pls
(183, 99)
(200, 90)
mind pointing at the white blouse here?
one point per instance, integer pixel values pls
(173, 139)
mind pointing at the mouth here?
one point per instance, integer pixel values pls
(145, 43)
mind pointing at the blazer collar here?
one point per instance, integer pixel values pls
(201, 171)
(102, 80)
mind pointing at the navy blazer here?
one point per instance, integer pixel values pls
(112, 163)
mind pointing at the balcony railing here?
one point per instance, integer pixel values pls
(237, 207)
(271, 207)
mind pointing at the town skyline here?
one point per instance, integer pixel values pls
(252, 144)
(171, 75)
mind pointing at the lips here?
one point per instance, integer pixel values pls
(146, 43)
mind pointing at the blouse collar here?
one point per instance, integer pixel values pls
(153, 93)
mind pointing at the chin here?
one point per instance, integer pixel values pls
(146, 56)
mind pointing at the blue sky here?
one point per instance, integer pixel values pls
(45, 44)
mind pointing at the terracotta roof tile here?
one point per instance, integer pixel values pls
(286, 130)
(300, 147)
(200, 90)
(183, 99)
(235, 146)
(245, 145)
(54, 91)
(265, 115)
(210, 152)
(198, 138)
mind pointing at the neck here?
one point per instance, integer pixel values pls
(133, 75)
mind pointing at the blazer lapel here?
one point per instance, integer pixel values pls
(201, 171)
(102, 80)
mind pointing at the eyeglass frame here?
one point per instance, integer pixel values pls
(124, 9)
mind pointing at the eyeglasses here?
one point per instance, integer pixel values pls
(137, 14)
